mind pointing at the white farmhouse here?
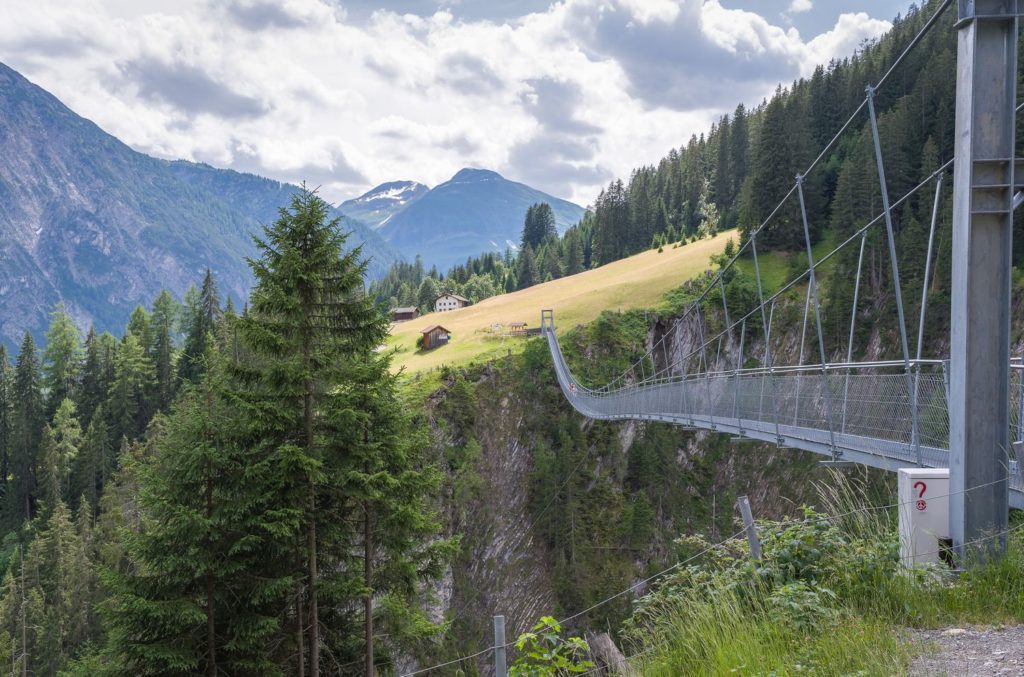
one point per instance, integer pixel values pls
(447, 302)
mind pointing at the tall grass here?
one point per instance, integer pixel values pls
(828, 597)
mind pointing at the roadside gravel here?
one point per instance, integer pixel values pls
(969, 651)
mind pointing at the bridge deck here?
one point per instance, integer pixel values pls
(854, 413)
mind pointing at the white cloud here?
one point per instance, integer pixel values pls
(800, 6)
(563, 98)
(646, 11)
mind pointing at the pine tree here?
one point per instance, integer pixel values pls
(140, 325)
(94, 384)
(428, 293)
(28, 426)
(202, 315)
(573, 253)
(128, 406)
(62, 359)
(194, 601)
(48, 473)
(94, 461)
(527, 275)
(164, 318)
(6, 416)
(308, 322)
(67, 435)
(380, 466)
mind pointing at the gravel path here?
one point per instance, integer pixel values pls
(969, 651)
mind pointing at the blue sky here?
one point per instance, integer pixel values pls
(348, 94)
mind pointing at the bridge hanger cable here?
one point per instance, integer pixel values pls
(865, 103)
(799, 278)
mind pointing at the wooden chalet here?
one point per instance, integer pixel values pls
(434, 336)
(404, 314)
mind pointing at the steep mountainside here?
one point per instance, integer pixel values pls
(376, 206)
(558, 512)
(477, 210)
(89, 221)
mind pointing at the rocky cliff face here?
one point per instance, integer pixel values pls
(529, 551)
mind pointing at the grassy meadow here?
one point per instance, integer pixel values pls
(639, 281)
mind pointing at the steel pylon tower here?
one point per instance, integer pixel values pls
(983, 187)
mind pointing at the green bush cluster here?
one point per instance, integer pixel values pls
(821, 583)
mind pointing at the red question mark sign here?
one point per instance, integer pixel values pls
(921, 504)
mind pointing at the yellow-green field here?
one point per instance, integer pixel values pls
(637, 282)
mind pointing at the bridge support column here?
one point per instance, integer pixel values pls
(983, 180)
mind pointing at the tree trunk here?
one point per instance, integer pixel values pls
(211, 629)
(368, 599)
(211, 635)
(314, 621)
(300, 630)
(311, 553)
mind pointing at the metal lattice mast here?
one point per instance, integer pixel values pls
(983, 182)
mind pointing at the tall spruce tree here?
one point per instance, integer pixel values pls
(93, 389)
(164, 318)
(62, 359)
(538, 225)
(198, 599)
(128, 406)
(385, 483)
(308, 322)
(6, 416)
(28, 421)
(202, 314)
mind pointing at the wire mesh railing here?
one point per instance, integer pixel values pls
(868, 410)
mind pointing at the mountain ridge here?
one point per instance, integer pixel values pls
(475, 211)
(93, 223)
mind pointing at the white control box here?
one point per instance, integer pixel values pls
(924, 514)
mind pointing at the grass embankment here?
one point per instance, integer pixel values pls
(639, 281)
(828, 597)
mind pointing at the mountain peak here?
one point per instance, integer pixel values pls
(476, 211)
(377, 205)
(472, 174)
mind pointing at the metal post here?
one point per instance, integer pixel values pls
(725, 304)
(853, 324)
(927, 266)
(920, 324)
(748, 522)
(800, 362)
(983, 180)
(767, 336)
(826, 393)
(685, 386)
(736, 377)
(897, 288)
(500, 669)
(771, 378)
(707, 381)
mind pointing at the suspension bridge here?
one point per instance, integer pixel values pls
(964, 411)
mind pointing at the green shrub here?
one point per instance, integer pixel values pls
(545, 653)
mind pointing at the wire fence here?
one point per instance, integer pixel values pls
(738, 536)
